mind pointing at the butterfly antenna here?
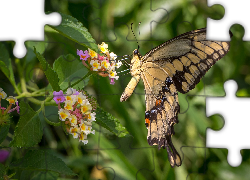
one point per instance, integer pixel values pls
(134, 34)
(139, 27)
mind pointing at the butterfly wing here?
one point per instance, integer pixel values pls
(186, 58)
(176, 65)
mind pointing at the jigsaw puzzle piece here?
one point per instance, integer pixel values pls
(30, 27)
(232, 108)
(235, 12)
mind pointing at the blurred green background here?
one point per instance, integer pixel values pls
(110, 157)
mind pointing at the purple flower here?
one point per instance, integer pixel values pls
(3, 155)
(112, 81)
(17, 108)
(83, 56)
(59, 97)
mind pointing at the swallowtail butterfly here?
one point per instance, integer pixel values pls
(174, 66)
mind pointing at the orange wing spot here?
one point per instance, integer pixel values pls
(158, 102)
(147, 121)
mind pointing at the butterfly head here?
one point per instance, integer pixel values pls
(137, 54)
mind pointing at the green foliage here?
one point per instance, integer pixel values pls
(74, 30)
(42, 160)
(50, 74)
(28, 131)
(69, 71)
(5, 64)
(4, 129)
(109, 122)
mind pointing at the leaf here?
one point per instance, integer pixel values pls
(69, 71)
(74, 30)
(5, 64)
(40, 47)
(49, 72)
(48, 175)
(38, 175)
(109, 122)
(28, 131)
(42, 160)
(2, 171)
(4, 132)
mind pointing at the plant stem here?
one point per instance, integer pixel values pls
(84, 77)
(20, 72)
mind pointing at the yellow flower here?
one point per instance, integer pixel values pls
(92, 54)
(105, 64)
(3, 95)
(73, 119)
(95, 64)
(11, 99)
(68, 105)
(81, 98)
(63, 114)
(74, 131)
(83, 138)
(86, 107)
(91, 117)
(103, 47)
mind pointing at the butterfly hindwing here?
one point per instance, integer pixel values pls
(161, 116)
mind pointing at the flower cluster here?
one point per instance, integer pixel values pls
(104, 64)
(76, 113)
(4, 118)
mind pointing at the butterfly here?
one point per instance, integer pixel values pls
(175, 66)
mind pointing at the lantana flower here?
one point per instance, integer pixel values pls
(4, 112)
(77, 113)
(92, 54)
(58, 97)
(83, 55)
(95, 64)
(103, 47)
(101, 62)
(3, 95)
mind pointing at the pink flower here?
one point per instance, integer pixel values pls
(59, 97)
(100, 57)
(83, 56)
(4, 155)
(112, 81)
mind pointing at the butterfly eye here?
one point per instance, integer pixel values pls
(136, 52)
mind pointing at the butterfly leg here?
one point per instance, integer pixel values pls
(130, 88)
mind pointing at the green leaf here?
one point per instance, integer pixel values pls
(2, 171)
(49, 72)
(5, 64)
(109, 122)
(42, 160)
(28, 131)
(74, 30)
(69, 71)
(40, 47)
(38, 175)
(48, 175)
(4, 129)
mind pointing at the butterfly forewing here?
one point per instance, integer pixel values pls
(186, 58)
(176, 65)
